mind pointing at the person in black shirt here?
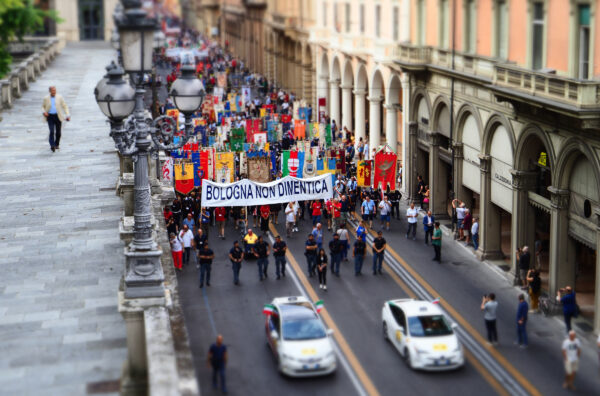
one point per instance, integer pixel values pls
(261, 252)
(217, 359)
(176, 209)
(236, 255)
(359, 252)
(322, 269)
(378, 250)
(172, 227)
(199, 240)
(395, 198)
(311, 254)
(205, 256)
(279, 249)
(335, 249)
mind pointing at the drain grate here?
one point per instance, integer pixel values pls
(94, 388)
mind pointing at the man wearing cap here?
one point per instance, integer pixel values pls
(378, 250)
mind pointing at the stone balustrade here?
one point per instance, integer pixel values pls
(40, 51)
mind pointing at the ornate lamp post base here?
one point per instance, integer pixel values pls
(143, 274)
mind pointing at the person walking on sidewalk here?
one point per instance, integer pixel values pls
(535, 287)
(217, 359)
(290, 219)
(55, 111)
(385, 211)
(428, 222)
(378, 252)
(187, 237)
(436, 242)
(489, 306)
(566, 296)
(279, 249)
(571, 351)
(176, 251)
(411, 216)
(367, 210)
(524, 260)
(236, 255)
(205, 258)
(522, 310)
(322, 269)
(261, 251)
(475, 233)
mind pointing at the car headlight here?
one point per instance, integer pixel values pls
(421, 351)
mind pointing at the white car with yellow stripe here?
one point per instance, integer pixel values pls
(298, 338)
(422, 334)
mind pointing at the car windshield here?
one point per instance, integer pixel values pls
(303, 329)
(428, 326)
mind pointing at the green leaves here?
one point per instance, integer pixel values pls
(18, 18)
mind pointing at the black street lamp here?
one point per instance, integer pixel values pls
(118, 99)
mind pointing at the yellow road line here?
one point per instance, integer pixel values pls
(337, 334)
(466, 325)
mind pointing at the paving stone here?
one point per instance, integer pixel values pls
(61, 253)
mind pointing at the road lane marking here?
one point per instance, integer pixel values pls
(210, 315)
(478, 341)
(366, 385)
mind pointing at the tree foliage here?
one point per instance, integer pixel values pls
(18, 18)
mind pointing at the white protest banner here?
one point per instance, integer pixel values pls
(247, 193)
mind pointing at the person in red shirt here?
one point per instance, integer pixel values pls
(265, 212)
(316, 212)
(167, 213)
(336, 207)
(329, 213)
(220, 217)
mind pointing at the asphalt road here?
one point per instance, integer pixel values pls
(354, 304)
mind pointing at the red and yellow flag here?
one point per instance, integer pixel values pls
(184, 178)
(363, 174)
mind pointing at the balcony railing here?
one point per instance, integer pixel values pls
(579, 93)
(414, 55)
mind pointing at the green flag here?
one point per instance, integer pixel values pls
(237, 139)
(328, 135)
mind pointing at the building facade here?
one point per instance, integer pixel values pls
(494, 102)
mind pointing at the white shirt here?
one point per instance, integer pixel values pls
(385, 207)
(572, 348)
(475, 228)
(290, 216)
(366, 151)
(176, 245)
(460, 213)
(343, 233)
(411, 212)
(186, 237)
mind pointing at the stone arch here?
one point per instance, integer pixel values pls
(531, 133)
(347, 75)
(441, 117)
(361, 80)
(491, 125)
(323, 76)
(567, 159)
(462, 116)
(336, 70)
(394, 90)
(419, 95)
(377, 89)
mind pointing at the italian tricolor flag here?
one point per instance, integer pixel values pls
(319, 306)
(268, 309)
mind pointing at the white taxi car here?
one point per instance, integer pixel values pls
(298, 338)
(421, 333)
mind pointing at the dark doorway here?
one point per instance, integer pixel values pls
(91, 20)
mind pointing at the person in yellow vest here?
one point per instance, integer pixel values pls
(55, 111)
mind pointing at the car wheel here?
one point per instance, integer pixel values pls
(385, 332)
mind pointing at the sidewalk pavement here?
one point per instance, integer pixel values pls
(61, 254)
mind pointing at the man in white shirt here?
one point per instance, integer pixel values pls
(385, 208)
(571, 350)
(186, 236)
(366, 150)
(411, 216)
(290, 218)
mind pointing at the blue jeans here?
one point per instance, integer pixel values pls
(316, 219)
(358, 263)
(235, 266)
(377, 261)
(522, 333)
(280, 265)
(54, 125)
(262, 263)
(205, 270)
(336, 259)
(311, 262)
(411, 227)
(345, 249)
(475, 238)
(220, 372)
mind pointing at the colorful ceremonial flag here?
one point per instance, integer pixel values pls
(286, 118)
(174, 113)
(300, 129)
(290, 163)
(167, 169)
(263, 112)
(225, 167)
(184, 178)
(363, 174)
(328, 135)
(340, 156)
(260, 137)
(310, 162)
(258, 169)
(385, 170)
(268, 309)
(237, 139)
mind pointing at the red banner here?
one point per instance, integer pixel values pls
(385, 170)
